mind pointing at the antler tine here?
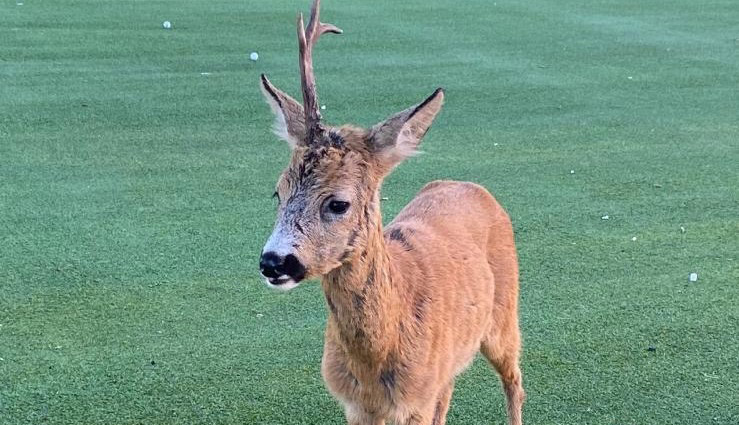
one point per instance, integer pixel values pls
(315, 23)
(306, 40)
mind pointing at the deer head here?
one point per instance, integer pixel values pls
(328, 194)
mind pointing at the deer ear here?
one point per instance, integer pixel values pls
(289, 117)
(398, 137)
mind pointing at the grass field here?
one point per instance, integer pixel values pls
(135, 199)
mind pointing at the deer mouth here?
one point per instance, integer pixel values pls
(283, 282)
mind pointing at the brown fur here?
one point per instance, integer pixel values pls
(445, 291)
(410, 305)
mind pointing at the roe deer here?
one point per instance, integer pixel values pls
(410, 306)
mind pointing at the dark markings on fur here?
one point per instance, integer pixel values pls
(415, 418)
(371, 276)
(351, 376)
(366, 214)
(294, 176)
(387, 379)
(398, 235)
(330, 303)
(437, 414)
(359, 334)
(298, 227)
(311, 158)
(350, 245)
(345, 255)
(353, 238)
(358, 300)
(315, 134)
(419, 306)
(336, 140)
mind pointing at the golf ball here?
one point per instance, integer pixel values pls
(166, 25)
(254, 56)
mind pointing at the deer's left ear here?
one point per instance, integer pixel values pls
(398, 137)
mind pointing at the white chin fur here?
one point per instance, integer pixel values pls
(286, 283)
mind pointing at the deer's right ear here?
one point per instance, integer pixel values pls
(289, 116)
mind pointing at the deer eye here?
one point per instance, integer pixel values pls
(338, 207)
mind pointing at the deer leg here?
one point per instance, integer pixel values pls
(432, 413)
(442, 405)
(358, 416)
(504, 358)
(365, 421)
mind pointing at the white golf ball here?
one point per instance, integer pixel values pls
(166, 25)
(254, 56)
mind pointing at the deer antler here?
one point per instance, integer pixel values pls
(306, 40)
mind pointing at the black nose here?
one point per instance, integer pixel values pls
(273, 266)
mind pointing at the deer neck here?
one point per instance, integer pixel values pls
(363, 306)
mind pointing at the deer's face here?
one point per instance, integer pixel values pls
(323, 195)
(329, 189)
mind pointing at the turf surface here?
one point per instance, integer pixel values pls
(135, 199)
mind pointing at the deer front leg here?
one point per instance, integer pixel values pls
(355, 415)
(434, 413)
(442, 405)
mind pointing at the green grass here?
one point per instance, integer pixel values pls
(135, 199)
